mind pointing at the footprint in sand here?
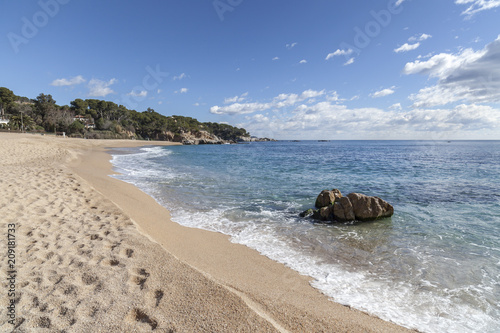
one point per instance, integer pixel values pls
(140, 316)
(129, 253)
(158, 296)
(141, 279)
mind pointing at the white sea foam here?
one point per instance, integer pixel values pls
(398, 302)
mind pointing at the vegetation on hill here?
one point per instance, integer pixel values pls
(93, 118)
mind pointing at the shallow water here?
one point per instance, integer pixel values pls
(433, 266)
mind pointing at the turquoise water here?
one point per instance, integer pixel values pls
(433, 266)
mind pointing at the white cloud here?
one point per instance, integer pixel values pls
(68, 82)
(278, 102)
(407, 47)
(276, 58)
(180, 77)
(236, 99)
(469, 76)
(311, 94)
(420, 38)
(181, 91)
(339, 52)
(349, 62)
(477, 6)
(396, 106)
(399, 2)
(327, 120)
(98, 88)
(238, 108)
(291, 45)
(383, 92)
(142, 93)
(303, 61)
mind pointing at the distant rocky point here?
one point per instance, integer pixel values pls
(206, 138)
(331, 206)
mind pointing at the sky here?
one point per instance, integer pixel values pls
(286, 69)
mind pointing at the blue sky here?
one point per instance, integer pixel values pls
(388, 69)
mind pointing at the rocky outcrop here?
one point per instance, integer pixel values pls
(244, 139)
(333, 207)
(343, 210)
(192, 138)
(326, 198)
(369, 208)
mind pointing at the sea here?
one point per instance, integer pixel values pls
(433, 266)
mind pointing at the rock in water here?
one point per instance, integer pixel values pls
(327, 198)
(343, 210)
(368, 208)
(332, 206)
(307, 213)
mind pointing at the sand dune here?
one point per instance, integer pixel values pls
(83, 266)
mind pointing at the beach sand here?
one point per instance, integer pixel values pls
(94, 254)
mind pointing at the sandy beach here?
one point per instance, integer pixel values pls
(95, 254)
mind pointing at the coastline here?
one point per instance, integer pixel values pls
(266, 294)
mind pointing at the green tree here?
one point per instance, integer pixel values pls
(79, 106)
(44, 106)
(76, 127)
(7, 98)
(17, 121)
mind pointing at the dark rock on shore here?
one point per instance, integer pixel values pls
(333, 207)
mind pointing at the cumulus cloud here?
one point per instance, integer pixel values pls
(303, 61)
(68, 82)
(98, 88)
(476, 6)
(406, 47)
(339, 52)
(396, 106)
(142, 93)
(278, 102)
(383, 92)
(291, 45)
(276, 58)
(469, 76)
(325, 119)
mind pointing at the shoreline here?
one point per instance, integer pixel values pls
(278, 296)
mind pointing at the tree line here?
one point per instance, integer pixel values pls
(93, 118)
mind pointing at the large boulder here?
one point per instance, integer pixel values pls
(368, 208)
(333, 207)
(327, 198)
(343, 210)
